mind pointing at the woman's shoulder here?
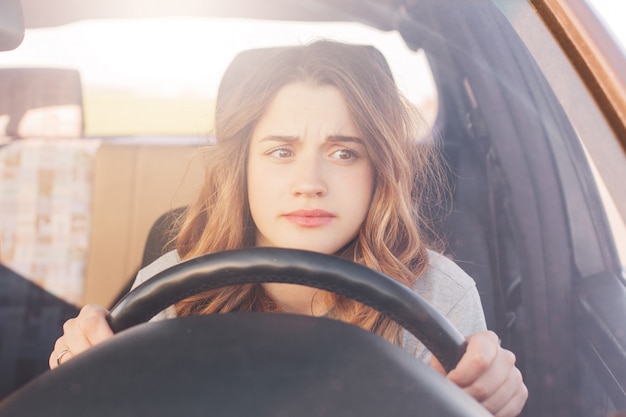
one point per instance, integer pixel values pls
(160, 264)
(446, 286)
(442, 271)
(165, 261)
(453, 293)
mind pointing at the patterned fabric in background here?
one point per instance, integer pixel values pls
(45, 203)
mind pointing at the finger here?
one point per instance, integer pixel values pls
(66, 346)
(74, 338)
(509, 397)
(482, 351)
(55, 356)
(87, 329)
(494, 378)
(64, 354)
(94, 325)
(514, 406)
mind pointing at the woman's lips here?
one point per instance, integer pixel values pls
(310, 218)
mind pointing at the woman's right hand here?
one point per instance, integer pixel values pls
(80, 333)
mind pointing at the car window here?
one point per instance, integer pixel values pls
(612, 14)
(601, 147)
(160, 76)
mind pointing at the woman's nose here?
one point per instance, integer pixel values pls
(309, 179)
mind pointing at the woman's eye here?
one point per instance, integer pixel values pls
(282, 153)
(344, 154)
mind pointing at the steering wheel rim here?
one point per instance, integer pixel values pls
(245, 363)
(331, 273)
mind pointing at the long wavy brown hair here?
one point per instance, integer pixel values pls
(391, 239)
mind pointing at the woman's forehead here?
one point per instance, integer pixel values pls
(301, 109)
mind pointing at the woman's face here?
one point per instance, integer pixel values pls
(310, 180)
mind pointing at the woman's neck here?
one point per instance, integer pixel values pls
(298, 299)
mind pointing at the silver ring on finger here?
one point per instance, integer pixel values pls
(60, 356)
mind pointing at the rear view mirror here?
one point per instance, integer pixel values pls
(11, 24)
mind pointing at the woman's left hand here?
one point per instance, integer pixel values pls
(487, 372)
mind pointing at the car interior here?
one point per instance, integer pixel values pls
(44, 139)
(503, 224)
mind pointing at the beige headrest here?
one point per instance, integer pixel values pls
(41, 103)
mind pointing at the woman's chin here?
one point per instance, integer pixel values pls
(322, 247)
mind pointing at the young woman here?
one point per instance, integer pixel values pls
(317, 150)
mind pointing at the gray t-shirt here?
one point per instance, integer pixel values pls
(444, 285)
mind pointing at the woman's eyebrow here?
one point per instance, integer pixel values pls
(279, 138)
(341, 138)
(331, 138)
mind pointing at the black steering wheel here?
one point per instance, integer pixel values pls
(255, 363)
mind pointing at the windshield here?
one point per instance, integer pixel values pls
(160, 76)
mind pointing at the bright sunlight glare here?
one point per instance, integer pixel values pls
(613, 13)
(167, 56)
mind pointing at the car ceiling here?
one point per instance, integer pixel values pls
(380, 14)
